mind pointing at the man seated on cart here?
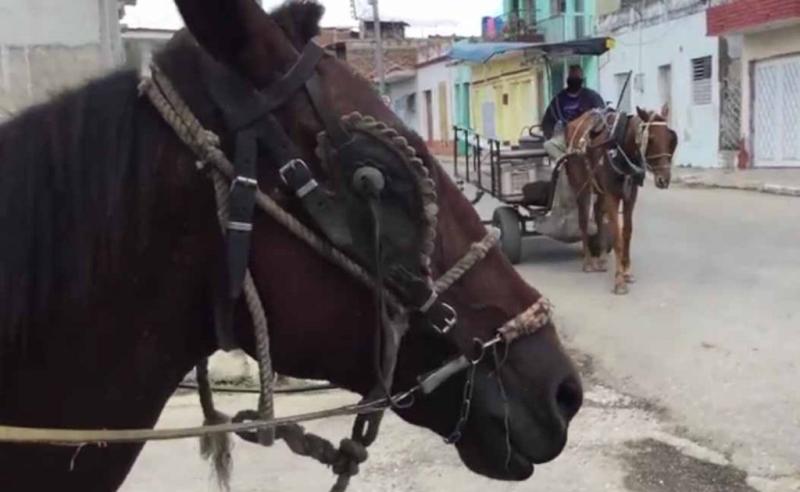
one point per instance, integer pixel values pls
(562, 221)
(569, 104)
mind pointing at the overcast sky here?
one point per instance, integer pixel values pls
(426, 16)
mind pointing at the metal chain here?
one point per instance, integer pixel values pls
(466, 406)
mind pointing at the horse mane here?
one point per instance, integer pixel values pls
(67, 174)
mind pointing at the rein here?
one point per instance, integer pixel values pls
(235, 191)
(579, 145)
(643, 141)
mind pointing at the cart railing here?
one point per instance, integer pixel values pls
(476, 150)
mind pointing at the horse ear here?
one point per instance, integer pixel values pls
(240, 34)
(644, 115)
(300, 20)
(665, 111)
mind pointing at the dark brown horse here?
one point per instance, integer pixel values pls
(110, 248)
(608, 171)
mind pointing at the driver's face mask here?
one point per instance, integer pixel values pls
(575, 83)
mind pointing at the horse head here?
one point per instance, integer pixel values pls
(657, 144)
(322, 321)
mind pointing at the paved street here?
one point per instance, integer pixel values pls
(692, 379)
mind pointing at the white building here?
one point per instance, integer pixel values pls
(422, 96)
(49, 45)
(673, 62)
(769, 36)
(435, 76)
(401, 86)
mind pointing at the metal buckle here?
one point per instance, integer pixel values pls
(293, 165)
(450, 321)
(244, 181)
(240, 226)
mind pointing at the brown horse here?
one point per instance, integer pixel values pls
(110, 251)
(608, 170)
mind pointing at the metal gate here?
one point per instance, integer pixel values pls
(776, 112)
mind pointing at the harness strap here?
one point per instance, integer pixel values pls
(206, 145)
(279, 92)
(242, 200)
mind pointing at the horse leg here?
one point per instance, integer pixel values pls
(627, 234)
(612, 211)
(584, 205)
(577, 171)
(599, 217)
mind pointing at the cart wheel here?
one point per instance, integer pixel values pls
(510, 224)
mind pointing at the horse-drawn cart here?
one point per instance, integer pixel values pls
(522, 177)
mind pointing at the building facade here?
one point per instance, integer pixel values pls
(140, 44)
(768, 33)
(506, 96)
(435, 82)
(673, 62)
(401, 88)
(510, 92)
(423, 96)
(47, 46)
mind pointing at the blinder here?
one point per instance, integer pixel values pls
(403, 206)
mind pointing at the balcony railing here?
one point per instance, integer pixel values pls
(566, 27)
(522, 26)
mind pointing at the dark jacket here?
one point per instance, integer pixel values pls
(566, 107)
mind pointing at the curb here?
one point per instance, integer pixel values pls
(767, 188)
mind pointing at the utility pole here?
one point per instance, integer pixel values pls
(376, 19)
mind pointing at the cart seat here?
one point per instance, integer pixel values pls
(515, 154)
(537, 194)
(531, 141)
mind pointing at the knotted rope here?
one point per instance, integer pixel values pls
(344, 461)
(206, 145)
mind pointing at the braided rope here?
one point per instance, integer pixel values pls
(205, 144)
(477, 252)
(266, 376)
(529, 322)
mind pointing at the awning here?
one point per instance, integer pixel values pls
(483, 52)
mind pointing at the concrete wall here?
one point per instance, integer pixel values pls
(674, 42)
(436, 80)
(763, 46)
(405, 101)
(49, 45)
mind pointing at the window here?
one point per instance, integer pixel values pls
(701, 80)
(411, 103)
(557, 7)
(625, 93)
(505, 99)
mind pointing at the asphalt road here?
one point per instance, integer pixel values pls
(692, 379)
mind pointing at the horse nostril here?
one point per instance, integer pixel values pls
(569, 397)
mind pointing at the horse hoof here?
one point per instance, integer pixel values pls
(621, 290)
(629, 278)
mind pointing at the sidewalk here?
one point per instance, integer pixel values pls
(773, 181)
(785, 181)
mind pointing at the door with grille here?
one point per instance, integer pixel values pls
(776, 112)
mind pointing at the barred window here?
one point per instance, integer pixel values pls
(701, 80)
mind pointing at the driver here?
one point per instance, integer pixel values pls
(568, 105)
